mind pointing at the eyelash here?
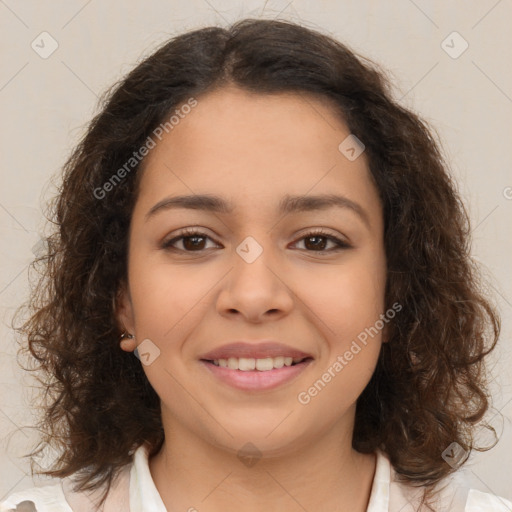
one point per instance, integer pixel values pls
(189, 233)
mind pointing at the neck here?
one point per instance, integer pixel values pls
(192, 474)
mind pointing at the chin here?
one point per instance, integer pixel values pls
(270, 439)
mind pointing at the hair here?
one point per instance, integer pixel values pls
(429, 386)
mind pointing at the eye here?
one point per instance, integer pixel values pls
(193, 241)
(320, 240)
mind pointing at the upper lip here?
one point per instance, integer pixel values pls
(255, 350)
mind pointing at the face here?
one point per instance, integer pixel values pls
(258, 272)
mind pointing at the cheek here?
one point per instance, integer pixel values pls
(347, 298)
(165, 295)
(350, 307)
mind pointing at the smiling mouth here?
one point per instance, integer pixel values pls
(247, 364)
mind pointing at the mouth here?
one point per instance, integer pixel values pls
(247, 364)
(250, 374)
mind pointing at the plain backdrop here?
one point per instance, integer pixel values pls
(460, 83)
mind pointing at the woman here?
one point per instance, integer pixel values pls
(260, 296)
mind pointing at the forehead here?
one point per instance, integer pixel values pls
(247, 146)
(235, 120)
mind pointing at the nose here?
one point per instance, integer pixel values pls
(255, 288)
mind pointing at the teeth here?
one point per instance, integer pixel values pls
(264, 365)
(278, 362)
(246, 364)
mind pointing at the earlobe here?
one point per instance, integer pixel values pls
(127, 342)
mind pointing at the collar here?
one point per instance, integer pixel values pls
(379, 495)
(144, 494)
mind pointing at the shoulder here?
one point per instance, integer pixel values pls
(454, 493)
(63, 496)
(478, 501)
(466, 497)
(49, 498)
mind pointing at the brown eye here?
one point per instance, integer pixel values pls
(317, 241)
(192, 241)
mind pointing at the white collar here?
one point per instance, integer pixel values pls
(379, 495)
(145, 496)
(143, 493)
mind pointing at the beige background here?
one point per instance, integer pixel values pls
(46, 102)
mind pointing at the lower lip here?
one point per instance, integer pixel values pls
(255, 380)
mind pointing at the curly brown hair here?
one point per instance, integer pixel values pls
(429, 386)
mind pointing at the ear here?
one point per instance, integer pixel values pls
(124, 310)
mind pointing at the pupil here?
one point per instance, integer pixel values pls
(194, 244)
(316, 244)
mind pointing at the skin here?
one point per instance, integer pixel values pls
(253, 149)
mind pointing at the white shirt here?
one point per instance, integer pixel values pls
(135, 491)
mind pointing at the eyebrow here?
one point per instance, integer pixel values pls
(288, 204)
